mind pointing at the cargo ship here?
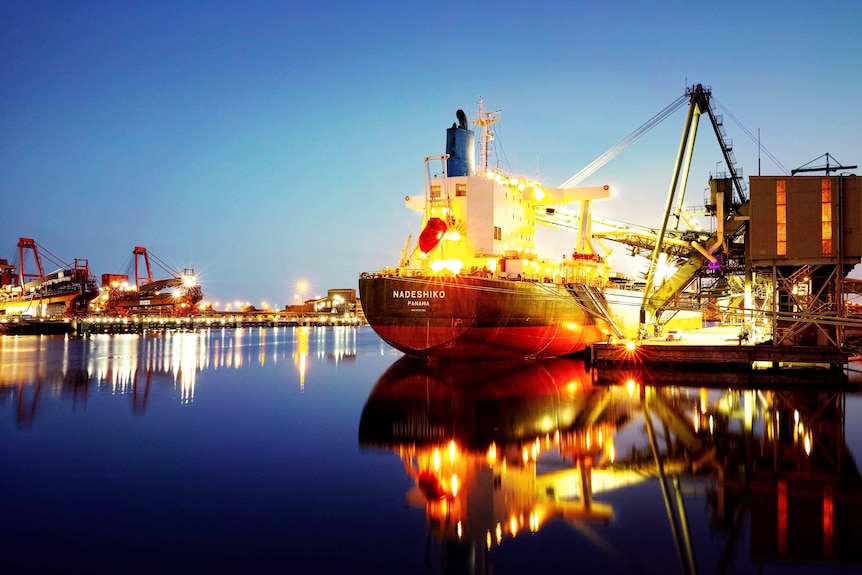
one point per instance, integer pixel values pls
(473, 286)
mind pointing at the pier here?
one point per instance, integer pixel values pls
(115, 325)
(140, 324)
(712, 348)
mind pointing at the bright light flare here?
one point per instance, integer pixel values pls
(534, 522)
(451, 265)
(492, 453)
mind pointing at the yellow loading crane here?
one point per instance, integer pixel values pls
(727, 202)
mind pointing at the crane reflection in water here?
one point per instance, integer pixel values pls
(499, 449)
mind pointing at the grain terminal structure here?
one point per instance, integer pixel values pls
(805, 237)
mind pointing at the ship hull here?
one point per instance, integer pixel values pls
(475, 402)
(468, 317)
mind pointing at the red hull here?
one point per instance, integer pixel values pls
(467, 317)
(475, 403)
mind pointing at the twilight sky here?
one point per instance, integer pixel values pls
(268, 143)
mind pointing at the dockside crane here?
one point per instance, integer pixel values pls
(176, 295)
(714, 258)
(25, 244)
(138, 253)
(65, 292)
(727, 201)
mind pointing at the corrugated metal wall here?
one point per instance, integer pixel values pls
(807, 240)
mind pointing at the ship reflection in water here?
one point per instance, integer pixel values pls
(499, 451)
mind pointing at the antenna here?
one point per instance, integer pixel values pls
(485, 120)
(826, 168)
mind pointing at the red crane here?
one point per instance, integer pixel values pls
(24, 244)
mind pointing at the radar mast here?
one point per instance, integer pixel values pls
(486, 119)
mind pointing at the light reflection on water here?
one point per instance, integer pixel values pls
(538, 444)
(319, 450)
(119, 364)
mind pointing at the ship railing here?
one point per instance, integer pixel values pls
(588, 257)
(513, 276)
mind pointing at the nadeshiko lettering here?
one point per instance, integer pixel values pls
(418, 294)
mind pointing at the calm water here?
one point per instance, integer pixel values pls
(322, 451)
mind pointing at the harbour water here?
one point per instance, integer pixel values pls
(322, 450)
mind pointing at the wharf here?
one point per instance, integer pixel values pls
(114, 325)
(37, 327)
(711, 348)
(138, 325)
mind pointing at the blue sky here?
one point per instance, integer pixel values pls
(267, 143)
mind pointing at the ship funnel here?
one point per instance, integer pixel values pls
(462, 119)
(460, 146)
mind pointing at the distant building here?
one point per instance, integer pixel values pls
(341, 303)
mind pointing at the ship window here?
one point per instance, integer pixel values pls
(460, 189)
(780, 218)
(435, 191)
(826, 216)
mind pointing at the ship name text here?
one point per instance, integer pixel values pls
(418, 298)
(418, 294)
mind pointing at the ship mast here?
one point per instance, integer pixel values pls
(485, 120)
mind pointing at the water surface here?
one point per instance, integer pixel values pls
(323, 451)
